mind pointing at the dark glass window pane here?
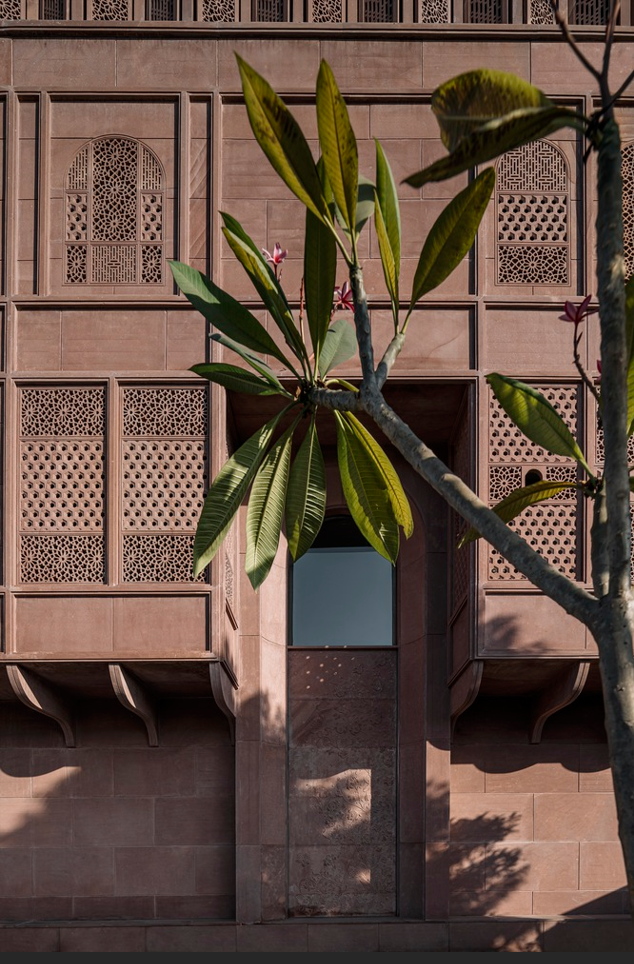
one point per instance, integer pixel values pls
(342, 591)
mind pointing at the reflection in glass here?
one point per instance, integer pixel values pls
(342, 591)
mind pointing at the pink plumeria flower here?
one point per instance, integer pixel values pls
(577, 313)
(277, 258)
(343, 297)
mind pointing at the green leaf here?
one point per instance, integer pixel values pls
(452, 235)
(535, 417)
(629, 329)
(257, 364)
(227, 492)
(281, 138)
(496, 137)
(306, 495)
(364, 490)
(265, 512)
(265, 284)
(387, 221)
(340, 344)
(393, 486)
(338, 145)
(466, 102)
(514, 503)
(224, 312)
(236, 379)
(320, 267)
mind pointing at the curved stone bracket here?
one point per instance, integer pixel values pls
(464, 690)
(562, 692)
(135, 698)
(224, 693)
(39, 695)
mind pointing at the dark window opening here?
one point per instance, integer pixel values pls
(342, 591)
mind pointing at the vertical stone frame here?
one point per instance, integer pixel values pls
(3, 208)
(461, 596)
(533, 217)
(114, 215)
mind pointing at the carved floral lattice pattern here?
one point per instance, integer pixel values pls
(62, 484)
(627, 170)
(551, 526)
(218, 11)
(600, 458)
(532, 211)
(110, 10)
(326, 11)
(434, 11)
(163, 483)
(10, 10)
(114, 215)
(540, 12)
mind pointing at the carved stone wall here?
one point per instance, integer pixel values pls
(342, 783)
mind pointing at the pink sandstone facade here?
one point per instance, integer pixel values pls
(173, 775)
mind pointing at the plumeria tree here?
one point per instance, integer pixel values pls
(481, 114)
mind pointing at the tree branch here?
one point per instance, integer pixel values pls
(390, 355)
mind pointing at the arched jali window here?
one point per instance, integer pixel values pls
(114, 214)
(532, 211)
(627, 168)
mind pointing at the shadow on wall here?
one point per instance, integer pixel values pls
(97, 831)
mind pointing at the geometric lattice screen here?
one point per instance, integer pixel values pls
(269, 11)
(62, 434)
(10, 10)
(550, 527)
(540, 12)
(68, 505)
(532, 205)
(486, 11)
(114, 214)
(379, 11)
(627, 170)
(325, 11)
(589, 12)
(163, 475)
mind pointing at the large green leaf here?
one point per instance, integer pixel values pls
(393, 486)
(629, 327)
(306, 495)
(338, 145)
(364, 490)
(227, 492)
(265, 284)
(452, 234)
(466, 102)
(320, 267)
(535, 417)
(496, 137)
(265, 512)
(257, 364)
(387, 221)
(224, 312)
(514, 503)
(281, 138)
(236, 379)
(340, 344)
